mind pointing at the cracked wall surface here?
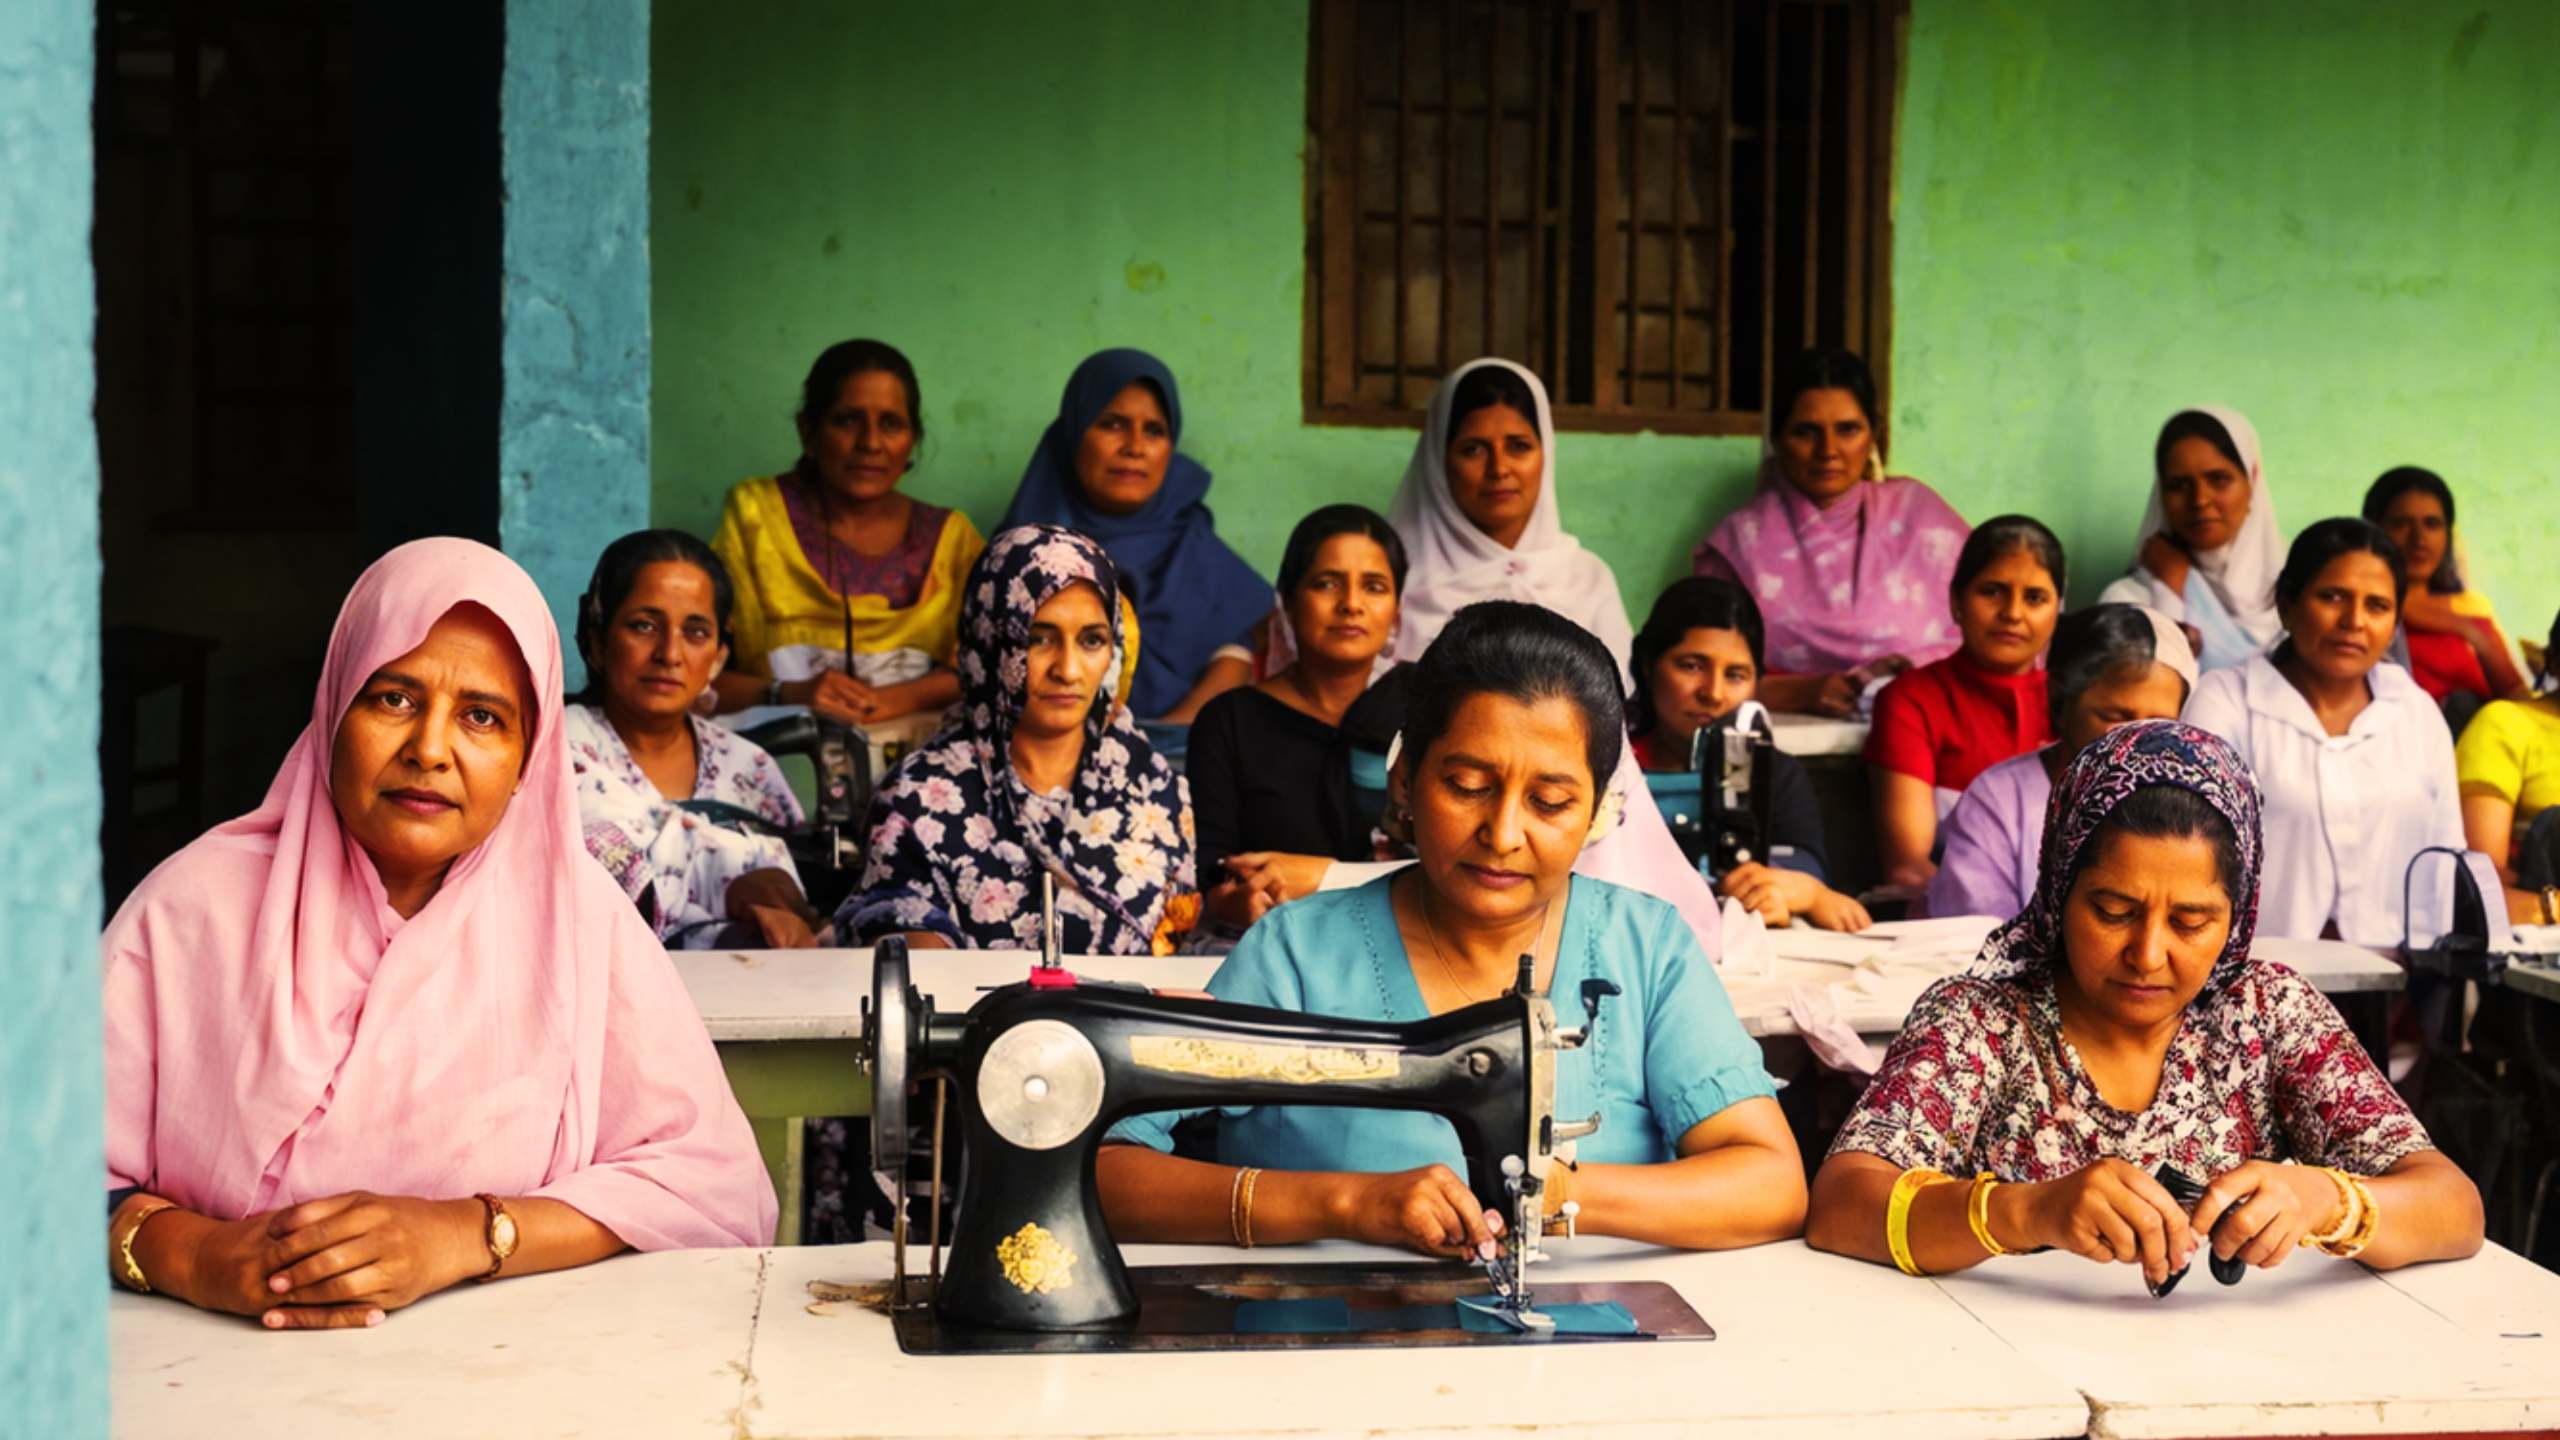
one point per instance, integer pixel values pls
(53, 1290)
(573, 426)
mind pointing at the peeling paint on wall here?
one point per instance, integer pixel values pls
(573, 440)
(53, 1293)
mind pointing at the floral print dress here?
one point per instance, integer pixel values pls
(958, 843)
(682, 861)
(1982, 1077)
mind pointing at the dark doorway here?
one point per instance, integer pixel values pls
(297, 248)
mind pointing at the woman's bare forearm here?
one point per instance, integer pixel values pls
(1164, 1199)
(2430, 1211)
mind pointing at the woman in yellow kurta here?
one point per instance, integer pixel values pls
(848, 588)
(2508, 761)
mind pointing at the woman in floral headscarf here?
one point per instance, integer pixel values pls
(1035, 772)
(2117, 1026)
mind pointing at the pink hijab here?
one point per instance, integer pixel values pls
(1839, 587)
(277, 1033)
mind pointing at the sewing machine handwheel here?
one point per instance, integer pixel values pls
(891, 1037)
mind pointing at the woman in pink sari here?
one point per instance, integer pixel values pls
(1849, 566)
(394, 1030)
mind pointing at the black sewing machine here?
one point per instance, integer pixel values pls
(827, 847)
(1724, 822)
(1038, 1072)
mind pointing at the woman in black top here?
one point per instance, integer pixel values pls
(1270, 764)
(1696, 660)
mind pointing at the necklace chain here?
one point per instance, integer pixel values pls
(1422, 902)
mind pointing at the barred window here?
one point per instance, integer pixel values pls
(1649, 204)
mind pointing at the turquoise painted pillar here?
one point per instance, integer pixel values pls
(53, 1279)
(573, 424)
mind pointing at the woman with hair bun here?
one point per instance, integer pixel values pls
(2110, 665)
(1515, 721)
(2355, 759)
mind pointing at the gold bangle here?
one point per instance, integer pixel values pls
(1240, 1206)
(130, 1273)
(2368, 1220)
(2347, 1213)
(2551, 904)
(1977, 1213)
(1897, 1215)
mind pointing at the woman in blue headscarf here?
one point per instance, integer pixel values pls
(1109, 467)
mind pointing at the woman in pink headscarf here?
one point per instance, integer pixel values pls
(1850, 566)
(394, 1030)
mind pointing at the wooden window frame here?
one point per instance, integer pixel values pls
(1858, 315)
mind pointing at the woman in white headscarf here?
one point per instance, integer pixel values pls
(2210, 546)
(1477, 511)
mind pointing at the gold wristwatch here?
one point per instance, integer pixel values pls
(501, 1236)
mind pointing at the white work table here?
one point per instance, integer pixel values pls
(639, 1345)
(1825, 960)
(760, 995)
(2313, 1347)
(736, 1344)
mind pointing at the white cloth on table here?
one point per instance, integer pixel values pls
(2344, 814)
(1891, 975)
(652, 847)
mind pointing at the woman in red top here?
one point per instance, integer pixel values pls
(1940, 725)
(2455, 645)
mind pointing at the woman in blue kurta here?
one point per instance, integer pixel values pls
(1513, 712)
(1111, 467)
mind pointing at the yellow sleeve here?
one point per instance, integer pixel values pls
(732, 543)
(2489, 758)
(969, 546)
(933, 623)
(1129, 652)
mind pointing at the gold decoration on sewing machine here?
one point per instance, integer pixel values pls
(1252, 1060)
(1036, 1261)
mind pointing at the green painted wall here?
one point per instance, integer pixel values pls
(2341, 216)
(1001, 189)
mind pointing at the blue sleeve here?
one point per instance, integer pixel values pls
(1259, 971)
(1697, 1060)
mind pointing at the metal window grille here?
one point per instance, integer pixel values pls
(1651, 203)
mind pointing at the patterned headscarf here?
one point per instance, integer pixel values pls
(2098, 780)
(954, 847)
